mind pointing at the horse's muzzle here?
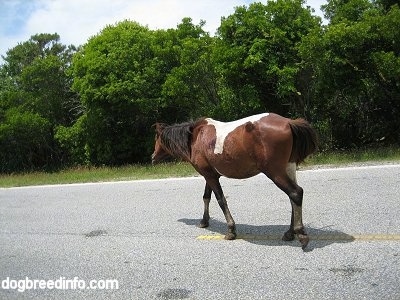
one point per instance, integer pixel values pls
(153, 159)
(158, 157)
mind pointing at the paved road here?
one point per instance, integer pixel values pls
(144, 235)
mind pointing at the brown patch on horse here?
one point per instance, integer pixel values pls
(305, 140)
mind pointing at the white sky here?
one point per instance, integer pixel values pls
(77, 20)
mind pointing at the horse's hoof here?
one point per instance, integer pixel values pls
(203, 224)
(230, 236)
(304, 239)
(288, 236)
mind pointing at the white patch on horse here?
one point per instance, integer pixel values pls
(222, 129)
(291, 171)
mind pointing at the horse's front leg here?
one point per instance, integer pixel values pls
(206, 215)
(217, 189)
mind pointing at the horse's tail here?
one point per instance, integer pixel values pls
(305, 141)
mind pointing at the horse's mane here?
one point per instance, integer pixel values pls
(177, 138)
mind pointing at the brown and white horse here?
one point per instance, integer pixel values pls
(265, 143)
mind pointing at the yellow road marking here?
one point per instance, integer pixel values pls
(322, 237)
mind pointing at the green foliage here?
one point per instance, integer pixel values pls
(96, 105)
(129, 77)
(72, 139)
(35, 98)
(345, 11)
(25, 141)
(190, 88)
(257, 56)
(118, 79)
(356, 92)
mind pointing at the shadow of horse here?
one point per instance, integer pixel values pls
(271, 235)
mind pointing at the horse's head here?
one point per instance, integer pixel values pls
(159, 153)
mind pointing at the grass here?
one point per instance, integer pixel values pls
(98, 174)
(376, 155)
(180, 169)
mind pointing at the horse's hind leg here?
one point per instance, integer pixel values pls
(288, 183)
(206, 214)
(290, 234)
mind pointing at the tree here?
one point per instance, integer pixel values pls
(257, 57)
(356, 65)
(190, 87)
(338, 11)
(129, 77)
(35, 98)
(116, 76)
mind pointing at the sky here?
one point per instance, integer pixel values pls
(78, 20)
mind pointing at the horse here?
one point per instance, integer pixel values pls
(264, 143)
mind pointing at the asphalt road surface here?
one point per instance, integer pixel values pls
(143, 234)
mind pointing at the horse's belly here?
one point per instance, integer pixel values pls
(241, 174)
(237, 169)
